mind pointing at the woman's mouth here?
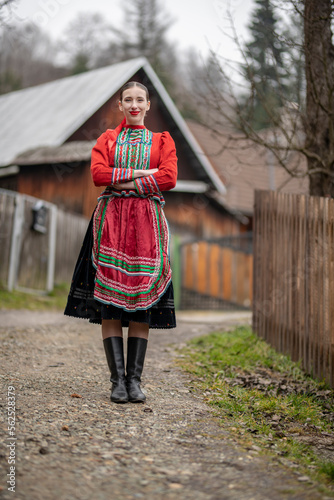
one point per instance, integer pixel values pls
(134, 113)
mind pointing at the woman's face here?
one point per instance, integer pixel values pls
(134, 105)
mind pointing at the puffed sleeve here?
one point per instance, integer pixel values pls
(165, 178)
(102, 173)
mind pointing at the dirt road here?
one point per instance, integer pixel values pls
(70, 442)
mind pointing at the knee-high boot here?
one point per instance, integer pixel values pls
(134, 368)
(113, 347)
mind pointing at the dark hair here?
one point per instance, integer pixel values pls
(133, 84)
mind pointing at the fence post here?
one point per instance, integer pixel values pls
(176, 270)
(16, 242)
(52, 249)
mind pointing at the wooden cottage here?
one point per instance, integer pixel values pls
(49, 131)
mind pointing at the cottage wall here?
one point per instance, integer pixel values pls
(195, 216)
(69, 186)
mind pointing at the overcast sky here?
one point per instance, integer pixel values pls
(198, 23)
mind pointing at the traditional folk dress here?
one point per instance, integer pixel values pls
(123, 270)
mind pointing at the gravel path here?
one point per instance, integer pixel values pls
(73, 443)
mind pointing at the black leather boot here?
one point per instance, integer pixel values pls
(113, 347)
(134, 368)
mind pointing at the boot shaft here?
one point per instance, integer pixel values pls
(113, 347)
(134, 368)
(135, 357)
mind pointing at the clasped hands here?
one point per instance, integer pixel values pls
(136, 174)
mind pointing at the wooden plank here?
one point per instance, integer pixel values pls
(330, 377)
(315, 288)
(32, 271)
(226, 256)
(214, 273)
(275, 268)
(241, 277)
(280, 297)
(251, 278)
(188, 274)
(325, 340)
(301, 277)
(202, 268)
(71, 229)
(256, 284)
(7, 210)
(322, 285)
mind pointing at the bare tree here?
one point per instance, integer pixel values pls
(297, 133)
(26, 58)
(319, 116)
(85, 39)
(5, 10)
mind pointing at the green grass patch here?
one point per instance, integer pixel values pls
(264, 398)
(55, 300)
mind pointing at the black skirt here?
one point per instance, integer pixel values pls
(82, 304)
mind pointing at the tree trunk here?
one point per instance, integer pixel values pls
(319, 120)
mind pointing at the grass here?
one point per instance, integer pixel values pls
(55, 300)
(262, 397)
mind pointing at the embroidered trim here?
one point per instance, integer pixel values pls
(133, 149)
(109, 192)
(146, 185)
(121, 175)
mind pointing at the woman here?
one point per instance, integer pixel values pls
(123, 274)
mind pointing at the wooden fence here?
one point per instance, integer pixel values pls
(37, 249)
(293, 300)
(217, 274)
(71, 229)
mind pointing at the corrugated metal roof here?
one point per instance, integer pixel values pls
(46, 115)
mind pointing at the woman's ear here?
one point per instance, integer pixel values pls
(120, 106)
(148, 105)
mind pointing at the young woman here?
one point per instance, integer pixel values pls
(123, 275)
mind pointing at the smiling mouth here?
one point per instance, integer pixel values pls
(134, 112)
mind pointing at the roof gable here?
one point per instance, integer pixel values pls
(47, 114)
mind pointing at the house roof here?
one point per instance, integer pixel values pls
(69, 152)
(245, 167)
(47, 115)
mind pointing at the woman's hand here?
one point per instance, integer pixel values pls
(144, 173)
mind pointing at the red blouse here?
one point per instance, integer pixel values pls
(162, 156)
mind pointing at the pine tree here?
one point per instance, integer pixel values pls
(265, 70)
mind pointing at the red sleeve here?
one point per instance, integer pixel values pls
(103, 173)
(100, 164)
(167, 175)
(165, 178)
